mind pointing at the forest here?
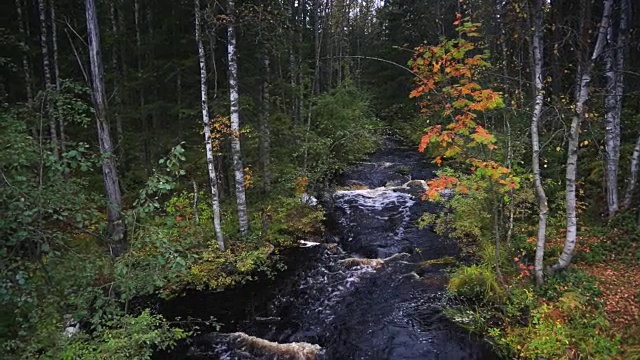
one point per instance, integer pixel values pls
(154, 150)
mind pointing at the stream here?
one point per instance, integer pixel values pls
(365, 293)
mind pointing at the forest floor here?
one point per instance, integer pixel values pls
(610, 259)
(619, 280)
(620, 285)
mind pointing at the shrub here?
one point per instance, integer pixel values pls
(127, 337)
(476, 283)
(344, 130)
(566, 329)
(571, 280)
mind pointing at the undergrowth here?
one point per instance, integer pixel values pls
(570, 317)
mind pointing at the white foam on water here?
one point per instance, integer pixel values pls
(376, 202)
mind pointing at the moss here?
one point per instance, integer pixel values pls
(404, 170)
(446, 260)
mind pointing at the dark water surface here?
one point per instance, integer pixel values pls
(364, 294)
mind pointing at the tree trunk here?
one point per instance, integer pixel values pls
(213, 179)
(212, 50)
(301, 21)
(537, 50)
(235, 120)
(632, 181)
(612, 132)
(54, 41)
(557, 38)
(316, 79)
(56, 68)
(141, 93)
(46, 66)
(614, 73)
(295, 115)
(581, 97)
(24, 39)
(152, 86)
(265, 137)
(196, 212)
(116, 226)
(117, 84)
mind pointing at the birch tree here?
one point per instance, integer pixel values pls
(116, 226)
(632, 180)
(614, 74)
(234, 114)
(585, 70)
(213, 178)
(537, 51)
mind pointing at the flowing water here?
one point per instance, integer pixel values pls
(364, 294)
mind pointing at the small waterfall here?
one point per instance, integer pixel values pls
(379, 206)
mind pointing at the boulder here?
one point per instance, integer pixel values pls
(308, 200)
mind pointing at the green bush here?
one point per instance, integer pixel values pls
(571, 279)
(476, 283)
(566, 329)
(127, 337)
(344, 129)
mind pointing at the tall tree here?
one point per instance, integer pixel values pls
(117, 86)
(614, 72)
(56, 67)
(265, 112)
(116, 226)
(537, 52)
(234, 114)
(26, 68)
(293, 68)
(585, 70)
(48, 81)
(141, 89)
(206, 120)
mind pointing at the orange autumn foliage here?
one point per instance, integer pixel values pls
(446, 86)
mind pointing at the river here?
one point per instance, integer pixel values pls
(366, 293)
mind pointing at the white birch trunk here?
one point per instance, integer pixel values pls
(235, 120)
(116, 226)
(622, 41)
(632, 181)
(537, 55)
(625, 8)
(213, 178)
(614, 74)
(582, 95)
(46, 67)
